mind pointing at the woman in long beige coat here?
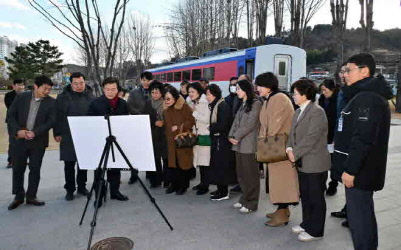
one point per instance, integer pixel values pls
(275, 119)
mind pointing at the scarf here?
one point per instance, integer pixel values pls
(158, 106)
(213, 118)
(113, 102)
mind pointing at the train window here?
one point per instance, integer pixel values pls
(196, 74)
(281, 68)
(158, 77)
(163, 78)
(170, 76)
(208, 73)
(177, 76)
(186, 75)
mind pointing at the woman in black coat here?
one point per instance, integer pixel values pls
(222, 161)
(328, 101)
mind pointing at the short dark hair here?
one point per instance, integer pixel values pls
(214, 90)
(204, 80)
(364, 60)
(147, 75)
(185, 82)
(156, 85)
(267, 80)
(173, 91)
(111, 80)
(247, 77)
(76, 75)
(330, 84)
(233, 78)
(19, 81)
(124, 90)
(197, 86)
(40, 80)
(305, 87)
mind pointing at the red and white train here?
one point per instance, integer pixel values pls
(287, 62)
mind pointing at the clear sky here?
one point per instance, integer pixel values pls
(20, 22)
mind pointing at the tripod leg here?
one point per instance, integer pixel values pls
(101, 183)
(93, 184)
(143, 186)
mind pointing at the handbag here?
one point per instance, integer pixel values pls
(204, 140)
(272, 148)
(185, 139)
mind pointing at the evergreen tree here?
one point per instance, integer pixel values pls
(38, 58)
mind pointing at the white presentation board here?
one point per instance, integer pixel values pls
(132, 132)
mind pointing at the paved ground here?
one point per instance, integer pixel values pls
(198, 222)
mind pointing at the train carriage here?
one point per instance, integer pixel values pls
(287, 62)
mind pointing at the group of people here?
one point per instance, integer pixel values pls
(346, 131)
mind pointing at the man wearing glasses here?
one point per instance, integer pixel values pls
(360, 146)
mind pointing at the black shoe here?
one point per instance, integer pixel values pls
(180, 191)
(332, 190)
(132, 180)
(118, 196)
(340, 214)
(15, 204)
(9, 165)
(219, 197)
(83, 191)
(155, 185)
(214, 192)
(236, 189)
(35, 202)
(345, 224)
(197, 187)
(69, 196)
(170, 189)
(202, 191)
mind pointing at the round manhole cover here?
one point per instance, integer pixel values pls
(114, 243)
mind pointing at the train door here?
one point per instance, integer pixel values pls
(282, 69)
(250, 68)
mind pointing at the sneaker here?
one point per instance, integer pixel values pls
(304, 236)
(244, 210)
(237, 205)
(297, 229)
(219, 197)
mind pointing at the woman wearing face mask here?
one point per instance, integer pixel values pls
(243, 136)
(275, 119)
(232, 99)
(177, 118)
(198, 103)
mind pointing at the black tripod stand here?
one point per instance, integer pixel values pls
(99, 183)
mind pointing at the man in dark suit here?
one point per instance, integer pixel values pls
(139, 104)
(18, 87)
(109, 104)
(73, 101)
(30, 118)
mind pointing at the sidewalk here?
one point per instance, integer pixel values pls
(198, 222)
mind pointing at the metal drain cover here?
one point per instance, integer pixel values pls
(114, 243)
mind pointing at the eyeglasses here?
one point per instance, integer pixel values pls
(347, 70)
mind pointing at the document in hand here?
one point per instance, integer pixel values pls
(132, 133)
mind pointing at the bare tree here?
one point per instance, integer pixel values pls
(81, 21)
(339, 13)
(141, 44)
(278, 12)
(261, 8)
(366, 21)
(302, 11)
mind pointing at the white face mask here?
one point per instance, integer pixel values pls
(233, 89)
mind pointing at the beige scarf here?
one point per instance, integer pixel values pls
(214, 113)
